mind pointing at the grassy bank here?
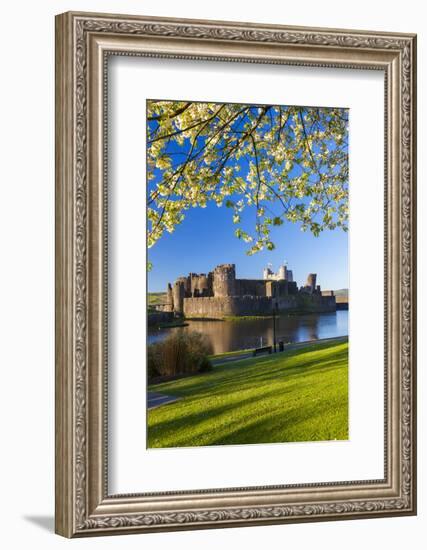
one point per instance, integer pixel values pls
(239, 318)
(287, 313)
(156, 298)
(299, 395)
(173, 324)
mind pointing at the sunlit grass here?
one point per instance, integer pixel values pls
(298, 395)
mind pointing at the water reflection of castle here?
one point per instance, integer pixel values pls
(220, 294)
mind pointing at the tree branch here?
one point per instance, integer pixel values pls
(173, 115)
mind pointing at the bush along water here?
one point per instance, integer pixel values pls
(180, 353)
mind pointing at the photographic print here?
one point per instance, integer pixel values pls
(247, 209)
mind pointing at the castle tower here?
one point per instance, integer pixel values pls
(194, 283)
(224, 280)
(178, 294)
(203, 285)
(169, 294)
(210, 284)
(289, 275)
(311, 281)
(187, 285)
(266, 273)
(281, 274)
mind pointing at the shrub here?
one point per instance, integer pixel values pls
(180, 353)
(205, 365)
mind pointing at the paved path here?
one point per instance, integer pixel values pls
(287, 347)
(230, 359)
(155, 399)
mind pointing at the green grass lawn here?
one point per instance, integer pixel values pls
(299, 395)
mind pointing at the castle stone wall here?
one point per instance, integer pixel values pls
(154, 318)
(226, 306)
(250, 287)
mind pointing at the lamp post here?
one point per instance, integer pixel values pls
(274, 325)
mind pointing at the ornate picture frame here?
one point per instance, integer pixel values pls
(84, 42)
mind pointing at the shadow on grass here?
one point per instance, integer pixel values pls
(272, 427)
(247, 380)
(265, 402)
(208, 412)
(247, 376)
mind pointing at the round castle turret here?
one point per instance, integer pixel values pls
(266, 273)
(178, 294)
(203, 285)
(311, 281)
(224, 280)
(169, 300)
(281, 275)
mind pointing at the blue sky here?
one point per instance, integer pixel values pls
(206, 238)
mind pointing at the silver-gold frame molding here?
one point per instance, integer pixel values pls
(83, 43)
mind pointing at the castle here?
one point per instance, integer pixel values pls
(220, 294)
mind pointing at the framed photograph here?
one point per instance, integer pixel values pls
(235, 274)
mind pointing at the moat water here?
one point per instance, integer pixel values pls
(245, 334)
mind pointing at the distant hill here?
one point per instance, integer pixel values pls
(156, 298)
(341, 295)
(159, 298)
